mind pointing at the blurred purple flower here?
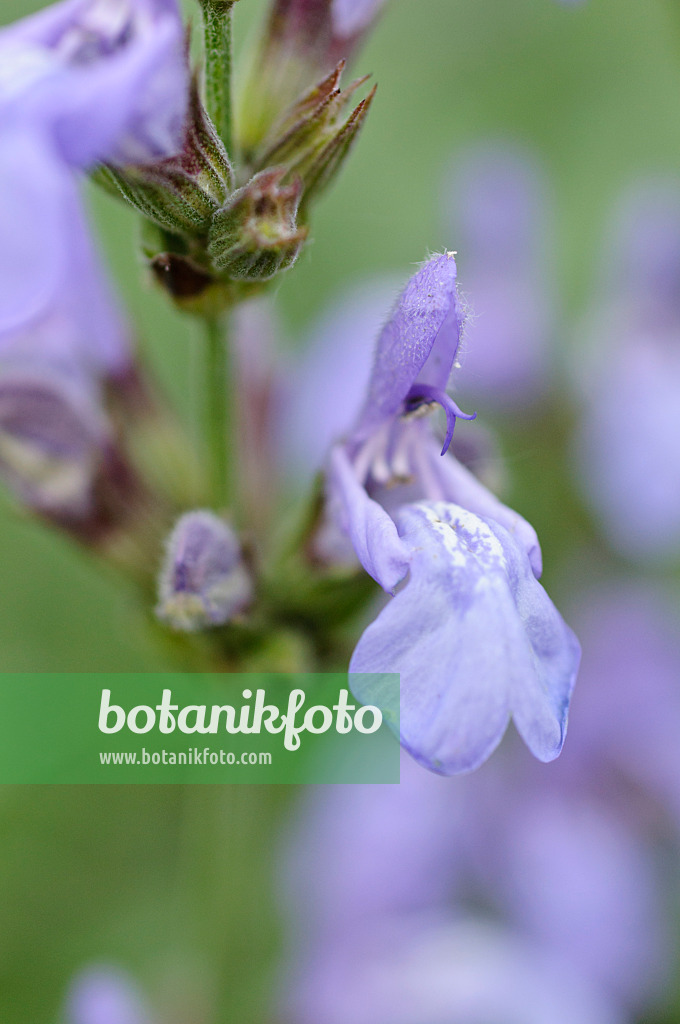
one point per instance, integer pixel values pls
(57, 308)
(83, 81)
(629, 440)
(351, 17)
(471, 581)
(628, 710)
(53, 440)
(100, 79)
(498, 208)
(340, 348)
(378, 880)
(101, 995)
(445, 972)
(580, 880)
(357, 854)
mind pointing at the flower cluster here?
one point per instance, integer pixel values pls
(105, 87)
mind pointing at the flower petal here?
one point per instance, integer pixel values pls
(462, 487)
(475, 639)
(372, 531)
(56, 307)
(34, 189)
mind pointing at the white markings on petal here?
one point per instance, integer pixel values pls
(463, 534)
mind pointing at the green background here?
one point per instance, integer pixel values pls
(123, 875)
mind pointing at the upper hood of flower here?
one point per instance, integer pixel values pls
(417, 345)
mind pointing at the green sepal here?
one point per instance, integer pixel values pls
(180, 193)
(319, 172)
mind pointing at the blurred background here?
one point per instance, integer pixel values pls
(540, 140)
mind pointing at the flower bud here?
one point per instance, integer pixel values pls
(256, 235)
(203, 580)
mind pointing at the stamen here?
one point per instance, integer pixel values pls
(422, 395)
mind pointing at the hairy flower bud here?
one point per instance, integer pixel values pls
(256, 235)
(203, 580)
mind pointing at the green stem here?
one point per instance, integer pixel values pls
(216, 408)
(217, 27)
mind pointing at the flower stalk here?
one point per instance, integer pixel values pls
(218, 62)
(217, 425)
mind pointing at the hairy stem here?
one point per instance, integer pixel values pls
(217, 27)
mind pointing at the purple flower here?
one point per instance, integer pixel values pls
(628, 448)
(101, 79)
(567, 859)
(391, 454)
(445, 972)
(499, 212)
(81, 82)
(101, 995)
(472, 634)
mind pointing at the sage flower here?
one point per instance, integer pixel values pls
(472, 634)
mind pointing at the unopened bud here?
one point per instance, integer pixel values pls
(256, 235)
(203, 580)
